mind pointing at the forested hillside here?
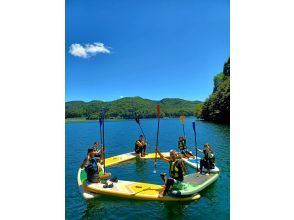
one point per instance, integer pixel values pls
(131, 107)
(217, 106)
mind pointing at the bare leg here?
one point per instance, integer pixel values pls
(190, 155)
(105, 176)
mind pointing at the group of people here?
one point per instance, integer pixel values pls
(207, 161)
(93, 164)
(177, 168)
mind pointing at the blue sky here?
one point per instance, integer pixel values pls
(149, 48)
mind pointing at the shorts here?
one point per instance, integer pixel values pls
(139, 150)
(93, 178)
(173, 184)
(96, 177)
(184, 151)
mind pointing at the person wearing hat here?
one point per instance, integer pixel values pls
(140, 146)
(94, 169)
(176, 173)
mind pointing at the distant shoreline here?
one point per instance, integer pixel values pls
(118, 119)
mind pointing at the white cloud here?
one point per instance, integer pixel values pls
(121, 96)
(87, 50)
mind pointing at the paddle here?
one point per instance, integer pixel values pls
(156, 146)
(103, 143)
(194, 128)
(182, 119)
(100, 123)
(138, 122)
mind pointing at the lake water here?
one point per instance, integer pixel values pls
(120, 136)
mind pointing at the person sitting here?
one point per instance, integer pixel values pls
(183, 147)
(140, 146)
(208, 161)
(176, 173)
(94, 169)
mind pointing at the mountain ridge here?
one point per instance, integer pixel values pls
(130, 107)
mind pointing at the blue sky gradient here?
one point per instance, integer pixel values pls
(158, 49)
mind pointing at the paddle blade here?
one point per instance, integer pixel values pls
(182, 119)
(137, 120)
(158, 110)
(193, 124)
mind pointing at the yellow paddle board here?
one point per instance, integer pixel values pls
(129, 156)
(126, 189)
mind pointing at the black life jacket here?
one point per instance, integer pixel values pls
(92, 167)
(209, 156)
(175, 170)
(182, 145)
(136, 145)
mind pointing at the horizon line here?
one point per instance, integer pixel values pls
(76, 100)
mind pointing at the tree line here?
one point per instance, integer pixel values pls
(217, 106)
(130, 107)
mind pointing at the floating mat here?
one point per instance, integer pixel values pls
(200, 181)
(186, 190)
(126, 189)
(129, 156)
(192, 163)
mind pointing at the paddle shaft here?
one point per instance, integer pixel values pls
(156, 146)
(142, 132)
(103, 143)
(195, 146)
(182, 119)
(196, 151)
(100, 122)
(184, 130)
(138, 122)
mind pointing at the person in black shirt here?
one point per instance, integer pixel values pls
(93, 168)
(140, 146)
(208, 160)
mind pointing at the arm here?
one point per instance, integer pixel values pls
(84, 162)
(201, 151)
(139, 143)
(99, 167)
(162, 157)
(99, 150)
(145, 142)
(183, 166)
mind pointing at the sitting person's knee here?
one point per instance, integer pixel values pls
(170, 181)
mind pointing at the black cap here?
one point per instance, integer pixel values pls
(90, 150)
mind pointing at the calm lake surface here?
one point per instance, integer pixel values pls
(120, 136)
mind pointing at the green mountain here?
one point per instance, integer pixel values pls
(131, 107)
